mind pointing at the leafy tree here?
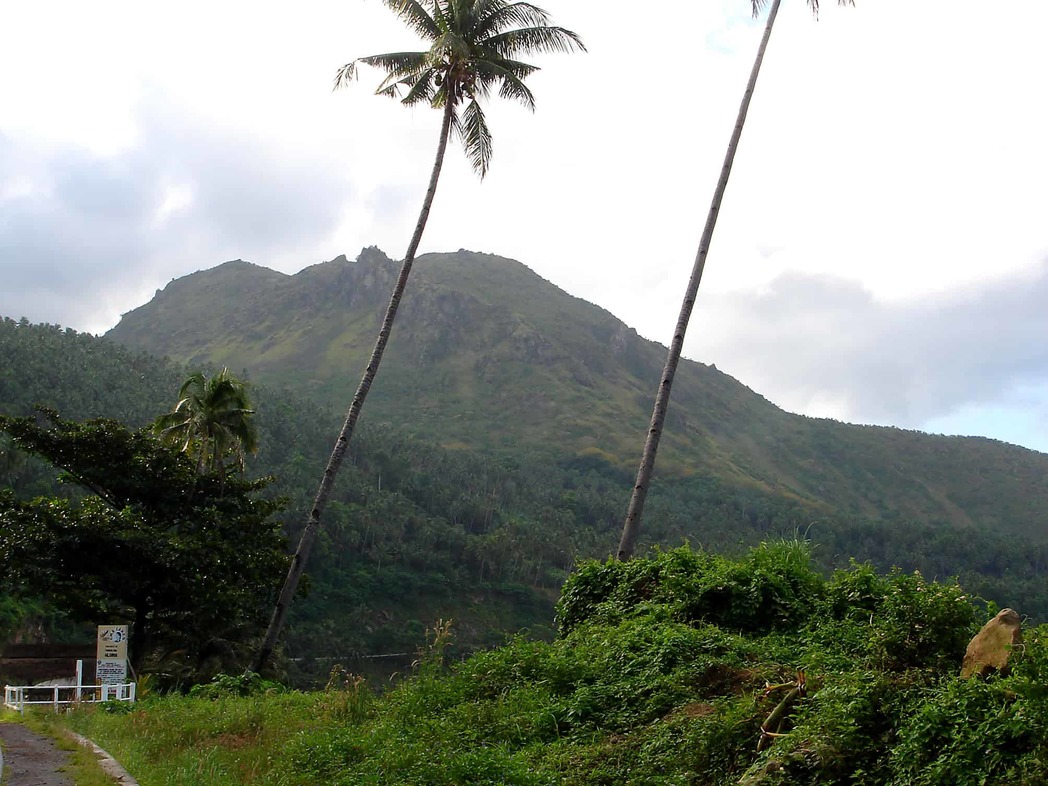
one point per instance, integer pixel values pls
(211, 421)
(473, 49)
(187, 557)
(631, 526)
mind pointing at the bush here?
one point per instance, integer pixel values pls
(774, 587)
(226, 685)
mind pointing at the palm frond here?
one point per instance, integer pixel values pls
(473, 50)
(459, 15)
(452, 46)
(439, 17)
(424, 88)
(345, 75)
(476, 138)
(402, 68)
(518, 68)
(415, 17)
(399, 63)
(510, 84)
(508, 15)
(526, 40)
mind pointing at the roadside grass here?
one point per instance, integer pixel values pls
(179, 740)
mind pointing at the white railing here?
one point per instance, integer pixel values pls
(18, 697)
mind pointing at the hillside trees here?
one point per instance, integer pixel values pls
(631, 526)
(187, 557)
(474, 46)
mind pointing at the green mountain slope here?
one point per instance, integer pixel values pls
(489, 356)
(418, 532)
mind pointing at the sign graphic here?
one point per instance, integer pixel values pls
(111, 666)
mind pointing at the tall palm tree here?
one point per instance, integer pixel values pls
(211, 421)
(473, 49)
(631, 527)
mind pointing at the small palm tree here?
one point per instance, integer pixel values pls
(473, 51)
(212, 421)
(631, 527)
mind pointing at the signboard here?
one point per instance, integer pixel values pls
(111, 666)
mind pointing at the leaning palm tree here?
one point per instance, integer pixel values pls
(474, 45)
(212, 421)
(631, 527)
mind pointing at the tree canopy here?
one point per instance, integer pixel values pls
(474, 46)
(212, 421)
(187, 557)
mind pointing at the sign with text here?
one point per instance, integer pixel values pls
(111, 666)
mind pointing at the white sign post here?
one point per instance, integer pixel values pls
(111, 666)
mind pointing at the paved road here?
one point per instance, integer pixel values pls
(31, 760)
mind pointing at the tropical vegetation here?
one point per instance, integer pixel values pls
(419, 530)
(664, 671)
(212, 421)
(188, 557)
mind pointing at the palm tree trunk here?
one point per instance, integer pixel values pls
(631, 527)
(309, 534)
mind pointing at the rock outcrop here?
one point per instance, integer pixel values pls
(992, 646)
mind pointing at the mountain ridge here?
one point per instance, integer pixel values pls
(488, 355)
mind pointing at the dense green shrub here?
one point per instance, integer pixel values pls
(227, 685)
(774, 587)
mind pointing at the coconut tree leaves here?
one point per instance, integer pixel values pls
(212, 421)
(472, 53)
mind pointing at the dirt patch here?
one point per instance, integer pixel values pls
(31, 760)
(695, 710)
(236, 741)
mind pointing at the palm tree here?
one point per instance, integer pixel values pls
(211, 421)
(631, 527)
(473, 49)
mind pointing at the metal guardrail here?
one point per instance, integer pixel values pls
(18, 697)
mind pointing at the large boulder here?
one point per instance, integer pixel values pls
(993, 645)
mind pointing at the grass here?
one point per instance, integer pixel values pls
(188, 741)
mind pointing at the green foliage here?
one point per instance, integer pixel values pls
(774, 587)
(212, 421)
(969, 732)
(475, 50)
(644, 698)
(189, 559)
(895, 622)
(226, 685)
(421, 528)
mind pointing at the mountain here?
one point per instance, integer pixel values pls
(417, 532)
(489, 356)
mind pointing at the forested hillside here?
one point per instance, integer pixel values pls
(419, 531)
(486, 355)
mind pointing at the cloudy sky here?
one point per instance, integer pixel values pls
(882, 252)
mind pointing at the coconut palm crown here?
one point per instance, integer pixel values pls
(473, 49)
(212, 421)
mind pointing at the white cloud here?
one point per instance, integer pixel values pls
(826, 346)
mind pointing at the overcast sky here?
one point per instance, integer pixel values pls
(882, 251)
